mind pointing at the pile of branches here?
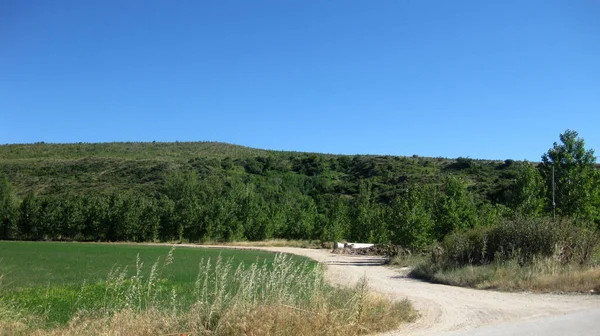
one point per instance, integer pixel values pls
(387, 250)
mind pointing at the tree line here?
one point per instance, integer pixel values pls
(194, 206)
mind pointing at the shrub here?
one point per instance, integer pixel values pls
(466, 248)
(522, 239)
(538, 255)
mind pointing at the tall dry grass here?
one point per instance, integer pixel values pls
(544, 275)
(283, 298)
(541, 274)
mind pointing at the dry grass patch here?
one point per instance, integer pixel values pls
(407, 260)
(379, 315)
(543, 275)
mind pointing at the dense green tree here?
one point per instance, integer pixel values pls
(169, 228)
(227, 163)
(491, 214)
(95, 210)
(28, 223)
(576, 177)
(8, 204)
(410, 220)
(364, 214)
(529, 192)
(253, 213)
(244, 194)
(301, 218)
(254, 166)
(454, 208)
(181, 184)
(116, 215)
(310, 165)
(149, 220)
(70, 217)
(219, 211)
(335, 221)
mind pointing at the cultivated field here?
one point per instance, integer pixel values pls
(73, 288)
(35, 264)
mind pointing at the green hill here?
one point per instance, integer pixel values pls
(199, 191)
(104, 168)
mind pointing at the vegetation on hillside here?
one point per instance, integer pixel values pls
(530, 249)
(215, 192)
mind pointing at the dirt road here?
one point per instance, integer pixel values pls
(461, 311)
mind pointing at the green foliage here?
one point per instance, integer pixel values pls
(364, 213)
(335, 226)
(411, 222)
(521, 239)
(8, 225)
(576, 177)
(101, 169)
(529, 192)
(490, 215)
(218, 192)
(454, 209)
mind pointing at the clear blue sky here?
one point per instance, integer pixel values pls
(482, 79)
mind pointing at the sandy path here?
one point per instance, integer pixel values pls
(455, 310)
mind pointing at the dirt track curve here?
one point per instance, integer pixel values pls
(451, 310)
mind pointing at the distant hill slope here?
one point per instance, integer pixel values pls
(167, 151)
(142, 166)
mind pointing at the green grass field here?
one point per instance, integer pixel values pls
(55, 280)
(42, 264)
(126, 289)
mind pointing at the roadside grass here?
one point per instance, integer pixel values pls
(522, 254)
(407, 260)
(268, 295)
(543, 276)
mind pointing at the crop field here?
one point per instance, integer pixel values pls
(68, 288)
(41, 264)
(48, 278)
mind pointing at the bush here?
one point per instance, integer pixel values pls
(539, 255)
(522, 239)
(466, 248)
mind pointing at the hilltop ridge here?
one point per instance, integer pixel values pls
(48, 168)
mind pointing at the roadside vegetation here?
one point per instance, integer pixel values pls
(244, 293)
(538, 255)
(529, 250)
